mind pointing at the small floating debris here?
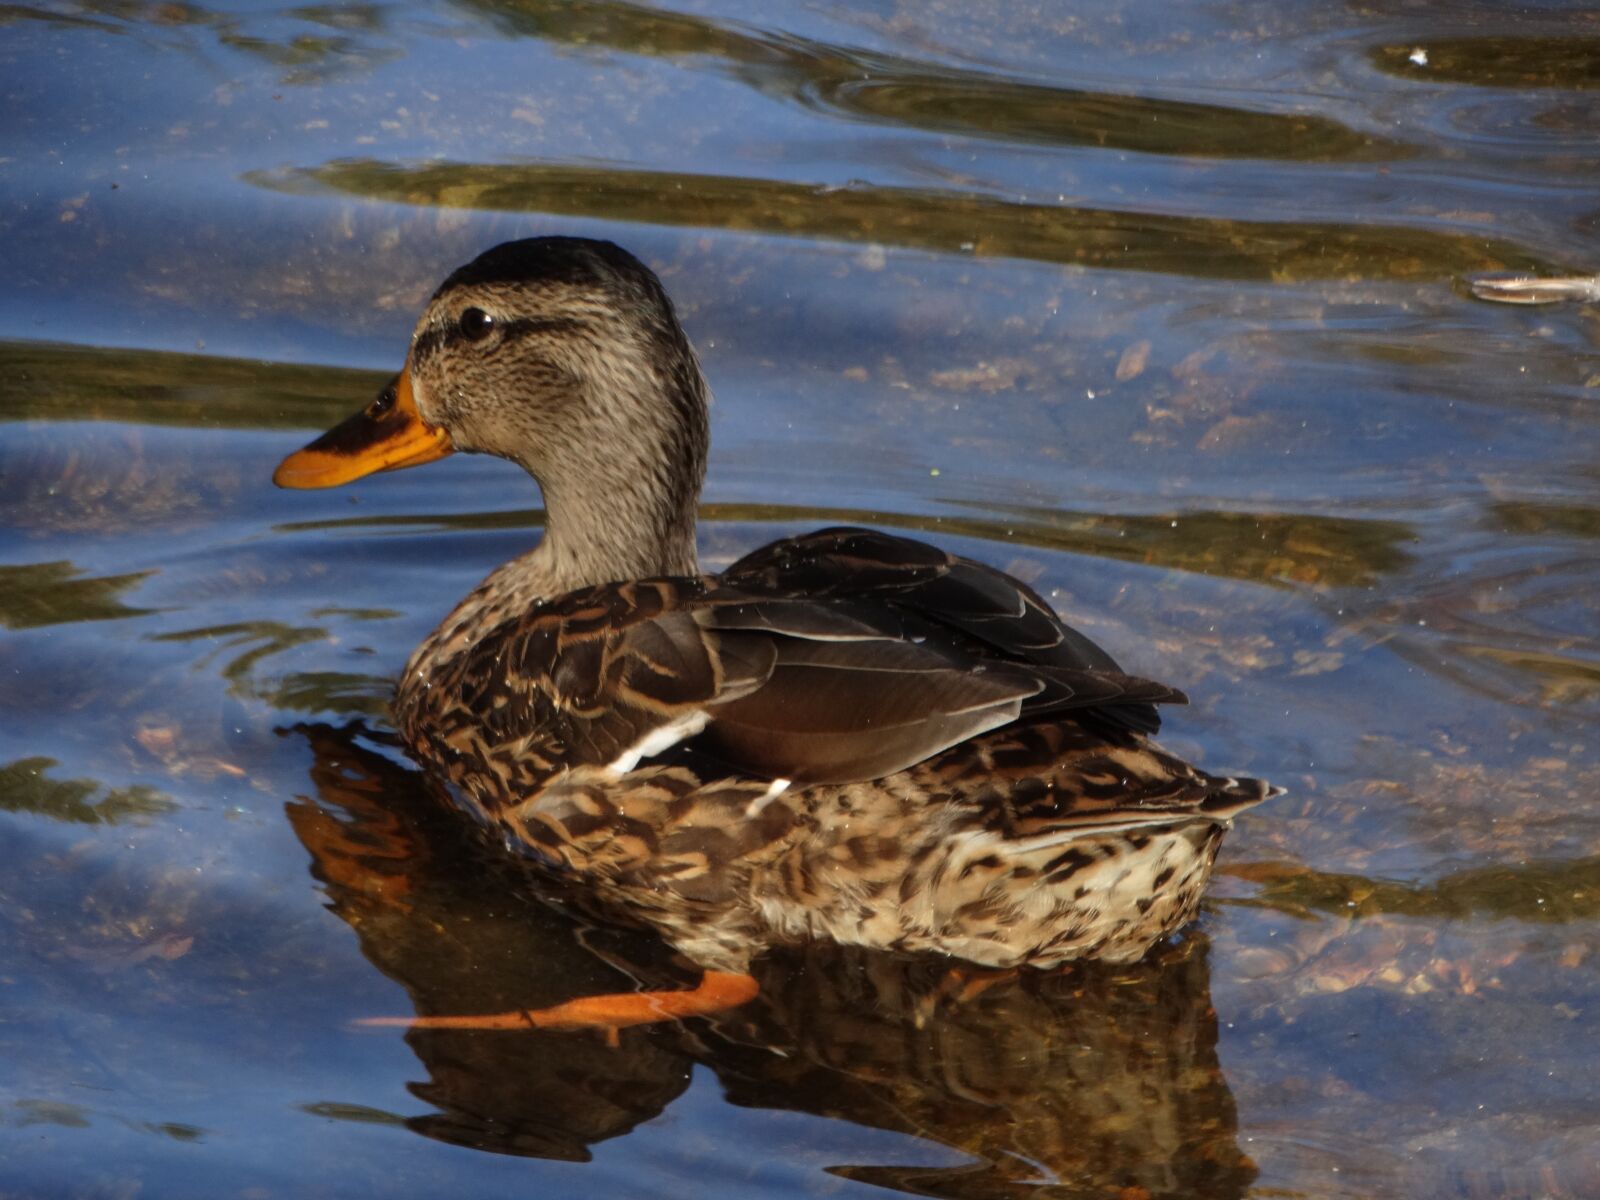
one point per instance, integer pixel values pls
(1509, 287)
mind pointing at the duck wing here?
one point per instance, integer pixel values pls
(843, 656)
(993, 616)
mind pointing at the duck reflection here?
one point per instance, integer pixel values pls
(1100, 1080)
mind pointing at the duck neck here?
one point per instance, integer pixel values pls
(627, 512)
(599, 537)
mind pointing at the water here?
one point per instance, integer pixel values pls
(1157, 306)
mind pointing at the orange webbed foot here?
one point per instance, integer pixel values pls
(717, 991)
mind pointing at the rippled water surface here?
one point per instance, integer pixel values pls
(1158, 306)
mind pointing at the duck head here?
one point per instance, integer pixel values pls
(565, 356)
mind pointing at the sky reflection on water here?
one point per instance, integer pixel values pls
(1159, 308)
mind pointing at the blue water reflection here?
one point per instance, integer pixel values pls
(1157, 307)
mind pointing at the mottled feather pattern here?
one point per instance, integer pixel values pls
(993, 851)
(789, 658)
(822, 659)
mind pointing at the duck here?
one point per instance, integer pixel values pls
(847, 735)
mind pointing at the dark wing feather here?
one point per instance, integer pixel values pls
(838, 561)
(965, 599)
(840, 656)
(838, 711)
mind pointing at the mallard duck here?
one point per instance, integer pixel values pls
(846, 735)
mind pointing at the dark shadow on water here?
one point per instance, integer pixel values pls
(1559, 891)
(947, 222)
(309, 45)
(318, 44)
(1090, 1082)
(1533, 517)
(33, 595)
(1566, 62)
(25, 787)
(49, 381)
(893, 90)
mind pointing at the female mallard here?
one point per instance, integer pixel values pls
(845, 735)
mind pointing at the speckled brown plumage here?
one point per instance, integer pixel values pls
(847, 735)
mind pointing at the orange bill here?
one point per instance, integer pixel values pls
(386, 435)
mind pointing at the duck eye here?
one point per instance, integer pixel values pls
(475, 324)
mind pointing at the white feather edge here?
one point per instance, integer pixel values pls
(662, 737)
(774, 789)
